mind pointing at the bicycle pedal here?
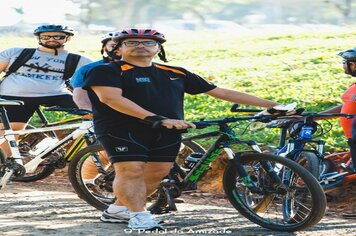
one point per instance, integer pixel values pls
(161, 210)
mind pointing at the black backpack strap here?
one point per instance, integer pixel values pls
(24, 56)
(70, 65)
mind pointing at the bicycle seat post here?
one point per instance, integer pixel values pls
(4, 118)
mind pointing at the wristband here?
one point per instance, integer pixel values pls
(154, 121)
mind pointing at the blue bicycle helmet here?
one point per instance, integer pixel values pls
(53, 28)
(348, 55)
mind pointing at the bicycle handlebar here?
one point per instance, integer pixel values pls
(306, 117)
(262, 118)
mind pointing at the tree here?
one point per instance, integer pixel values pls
(343, 6)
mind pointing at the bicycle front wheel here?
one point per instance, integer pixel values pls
(310, 162)
(296, 202)
(27, 143)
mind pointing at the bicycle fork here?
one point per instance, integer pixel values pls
(9, 168)
(236, 160)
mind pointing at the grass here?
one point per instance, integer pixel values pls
(285, 67)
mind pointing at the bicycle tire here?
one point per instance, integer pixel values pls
(77, 182)
(310, 162)
(247, 202)
(44, 169)
(101, 202)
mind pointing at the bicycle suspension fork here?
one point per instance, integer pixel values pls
(266, 165)
(9, 168)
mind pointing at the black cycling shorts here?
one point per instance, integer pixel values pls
(23, 113)
(147, 145)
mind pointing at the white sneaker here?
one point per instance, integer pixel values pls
(143, 220)
(117, 217)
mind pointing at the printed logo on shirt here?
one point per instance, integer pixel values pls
(143, 80)
(173, 78)
(121, 149)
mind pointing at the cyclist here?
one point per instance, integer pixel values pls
(130, 98)
(39, 81)
(80, 96)
(349, 104)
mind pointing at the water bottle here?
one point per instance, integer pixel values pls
(192, 160)
(43, 145)
(306, 132)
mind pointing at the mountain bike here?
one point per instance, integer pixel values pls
(48, 154)
(28, 143)
(340, 161)
(303, 147)
(271, 191)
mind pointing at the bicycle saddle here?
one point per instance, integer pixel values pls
(4, 102)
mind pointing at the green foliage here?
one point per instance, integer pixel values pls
(294, 67)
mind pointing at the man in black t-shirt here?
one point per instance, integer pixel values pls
(131, 97)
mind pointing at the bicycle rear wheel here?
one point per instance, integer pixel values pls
(98, 192)
(298, 202)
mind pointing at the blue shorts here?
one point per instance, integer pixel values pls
(147, 144)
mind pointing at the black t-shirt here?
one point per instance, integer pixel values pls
(159, 89)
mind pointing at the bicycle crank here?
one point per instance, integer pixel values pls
(8, 169)
(17, 170)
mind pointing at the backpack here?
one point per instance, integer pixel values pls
(26, 54)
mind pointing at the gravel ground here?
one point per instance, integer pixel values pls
(52, 208)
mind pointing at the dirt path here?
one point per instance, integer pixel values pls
(47, 208)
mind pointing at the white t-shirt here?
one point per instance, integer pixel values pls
(36, 82)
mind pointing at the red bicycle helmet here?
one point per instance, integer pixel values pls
(139, 33)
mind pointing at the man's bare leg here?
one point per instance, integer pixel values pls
(154, 173)
(133, 180)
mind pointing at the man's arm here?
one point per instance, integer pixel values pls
(3, 65)
(81, 99)
(336, 109)
(240, 98)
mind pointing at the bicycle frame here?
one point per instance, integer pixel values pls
(296, 145)
(342, 158)
(226, 138)
(17, 166)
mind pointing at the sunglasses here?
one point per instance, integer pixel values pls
(55, 37)
(136, 43)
